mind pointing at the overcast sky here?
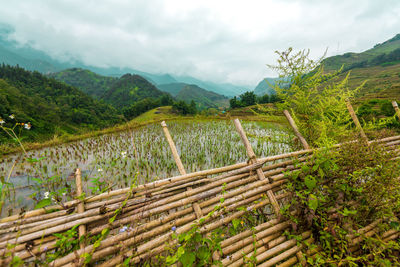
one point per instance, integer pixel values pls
(216, 40)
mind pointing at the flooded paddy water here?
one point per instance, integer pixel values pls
(142, 155)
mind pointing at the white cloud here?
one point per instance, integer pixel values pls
(223, 41)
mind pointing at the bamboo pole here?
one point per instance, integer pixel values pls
(253, 160)
(355, 120)
(178, 162)
(173, 149)
(81, 205)
(396, 108)
(303, 141)
(285, 254)
(278, 249)
(296, 130)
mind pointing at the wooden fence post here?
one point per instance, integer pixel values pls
(396, 108)
(296, 130)
(356, 121)
(81, 205)
(253, 159)
(178, 162)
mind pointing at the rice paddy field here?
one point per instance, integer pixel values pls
(142, 155)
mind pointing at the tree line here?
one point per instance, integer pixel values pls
(250, 98)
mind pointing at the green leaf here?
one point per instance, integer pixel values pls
(235, 223)
(43, 203)
(312, 202)
(187, 259)
(310, 182)
(203, 254)
(395, 225)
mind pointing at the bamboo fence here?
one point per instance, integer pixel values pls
(149, 214)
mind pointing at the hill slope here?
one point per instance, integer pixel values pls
(51, 106)
(129, 89)
(264, 87)
(387, 52)
(203, 98)
(172, 88)
(89, 82)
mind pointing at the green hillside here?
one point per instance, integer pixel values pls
(265, 87)
(378, 67)
(128, 89)
(50, 106)
(172, 88)
(386, 53)
(89, 82)
(202, 98)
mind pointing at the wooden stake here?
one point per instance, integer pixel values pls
(253, 160)
(178, 161)
(173, 149)
(396, 108)
(355, 119)
(296, 130)
(81, 205)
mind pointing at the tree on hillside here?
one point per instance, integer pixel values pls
(234, 103)
(248, 98)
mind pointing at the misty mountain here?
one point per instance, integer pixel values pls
(265, 87)
(32, 59)
(203, 98)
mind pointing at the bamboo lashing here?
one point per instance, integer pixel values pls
(81, 205)
(253, 159)
(179, 163)
(296, 130)
(356, 121)
(396, 108)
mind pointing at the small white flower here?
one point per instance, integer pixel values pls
(12, 116)
(123, 154)
(2, 121)
(100, 170)
(123, 229)
(27, 125)
(46, 195)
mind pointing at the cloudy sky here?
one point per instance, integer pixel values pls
(216, 40)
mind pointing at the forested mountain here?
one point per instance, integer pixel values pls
(52, 107)
(202, 98)
(265, 87)
(89, 82)
(129, 89)
(172, 88)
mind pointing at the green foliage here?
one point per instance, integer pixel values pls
(182, 108)
(340, 191)
(204, 99)
(129, 89)
(144, 105)
(89, 82)
(316, 102)
(249, 99)
(50, 106)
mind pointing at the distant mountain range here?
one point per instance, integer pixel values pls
(32, 59)
(124, 91)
